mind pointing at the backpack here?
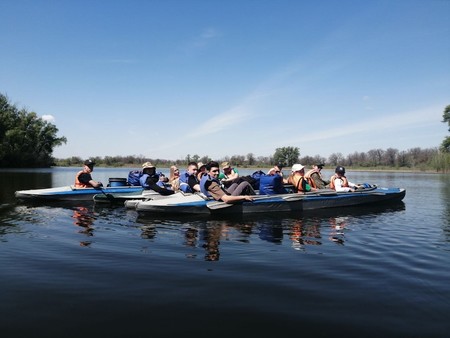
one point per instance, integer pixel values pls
(256, 176)
(134, 176)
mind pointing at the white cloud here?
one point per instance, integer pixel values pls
(48, 118)
(397, 122)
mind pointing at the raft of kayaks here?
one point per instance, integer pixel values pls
(145, 201)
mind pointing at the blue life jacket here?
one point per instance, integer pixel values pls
(271, 184)
(184, 186)
(134, 176)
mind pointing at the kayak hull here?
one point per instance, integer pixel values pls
(70, 193)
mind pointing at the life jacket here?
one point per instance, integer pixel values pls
(78, 184)
(271, 184)
(342, 178)
(297, 182)
(205, 182)
(310, 180)
(134, 176)
(184, 186)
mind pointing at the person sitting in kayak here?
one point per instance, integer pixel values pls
(149, 180)
(211, 187)
(229, 175)
(298, 180)
(315, 177)
(83, 178)
(188, 180)
(339, 182)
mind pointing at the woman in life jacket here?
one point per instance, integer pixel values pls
(298, 180)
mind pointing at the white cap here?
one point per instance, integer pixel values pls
(297, 167)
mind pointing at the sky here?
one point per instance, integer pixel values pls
(167, 79)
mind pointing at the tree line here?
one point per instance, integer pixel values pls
(414, 159)
(27, 140)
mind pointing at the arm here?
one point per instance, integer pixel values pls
(218, 194)
(86, 178)
(155, 187)
(96, 184)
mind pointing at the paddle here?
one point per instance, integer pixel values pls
(108, 196)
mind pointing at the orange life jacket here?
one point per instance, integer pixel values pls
(342, 178)
(296, 181)
(78, 184)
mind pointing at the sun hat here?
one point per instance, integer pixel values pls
(89, 162)
(147, 165)
(200, 165)
(297, 167)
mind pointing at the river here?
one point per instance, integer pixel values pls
(82, 270)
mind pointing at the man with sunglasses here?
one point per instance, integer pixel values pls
(211, 187)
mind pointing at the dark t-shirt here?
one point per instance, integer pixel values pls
(85, 178)
(192, 180)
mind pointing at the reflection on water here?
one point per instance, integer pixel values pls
(299, 232)
(445, 191)
(84, 218)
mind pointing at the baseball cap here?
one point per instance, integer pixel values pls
(297, 167)
(89, 162)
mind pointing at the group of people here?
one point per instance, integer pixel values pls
(224, 186)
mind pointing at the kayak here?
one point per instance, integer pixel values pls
(70, 193)
(181, 203)
(198, 204)
(122, 197)
(377, 195)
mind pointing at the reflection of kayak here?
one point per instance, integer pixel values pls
(196, 204)
(70, 193)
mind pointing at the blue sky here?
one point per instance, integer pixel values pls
(164, 79)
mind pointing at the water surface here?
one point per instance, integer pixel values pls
(73, 270)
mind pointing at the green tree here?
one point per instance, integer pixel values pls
(445, 145)
(25, 139)
(286, 155)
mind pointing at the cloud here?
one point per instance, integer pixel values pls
(396, 122)
(200, 41)
(48, 118)
(205, 37)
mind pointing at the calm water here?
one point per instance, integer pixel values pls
(89, 271)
